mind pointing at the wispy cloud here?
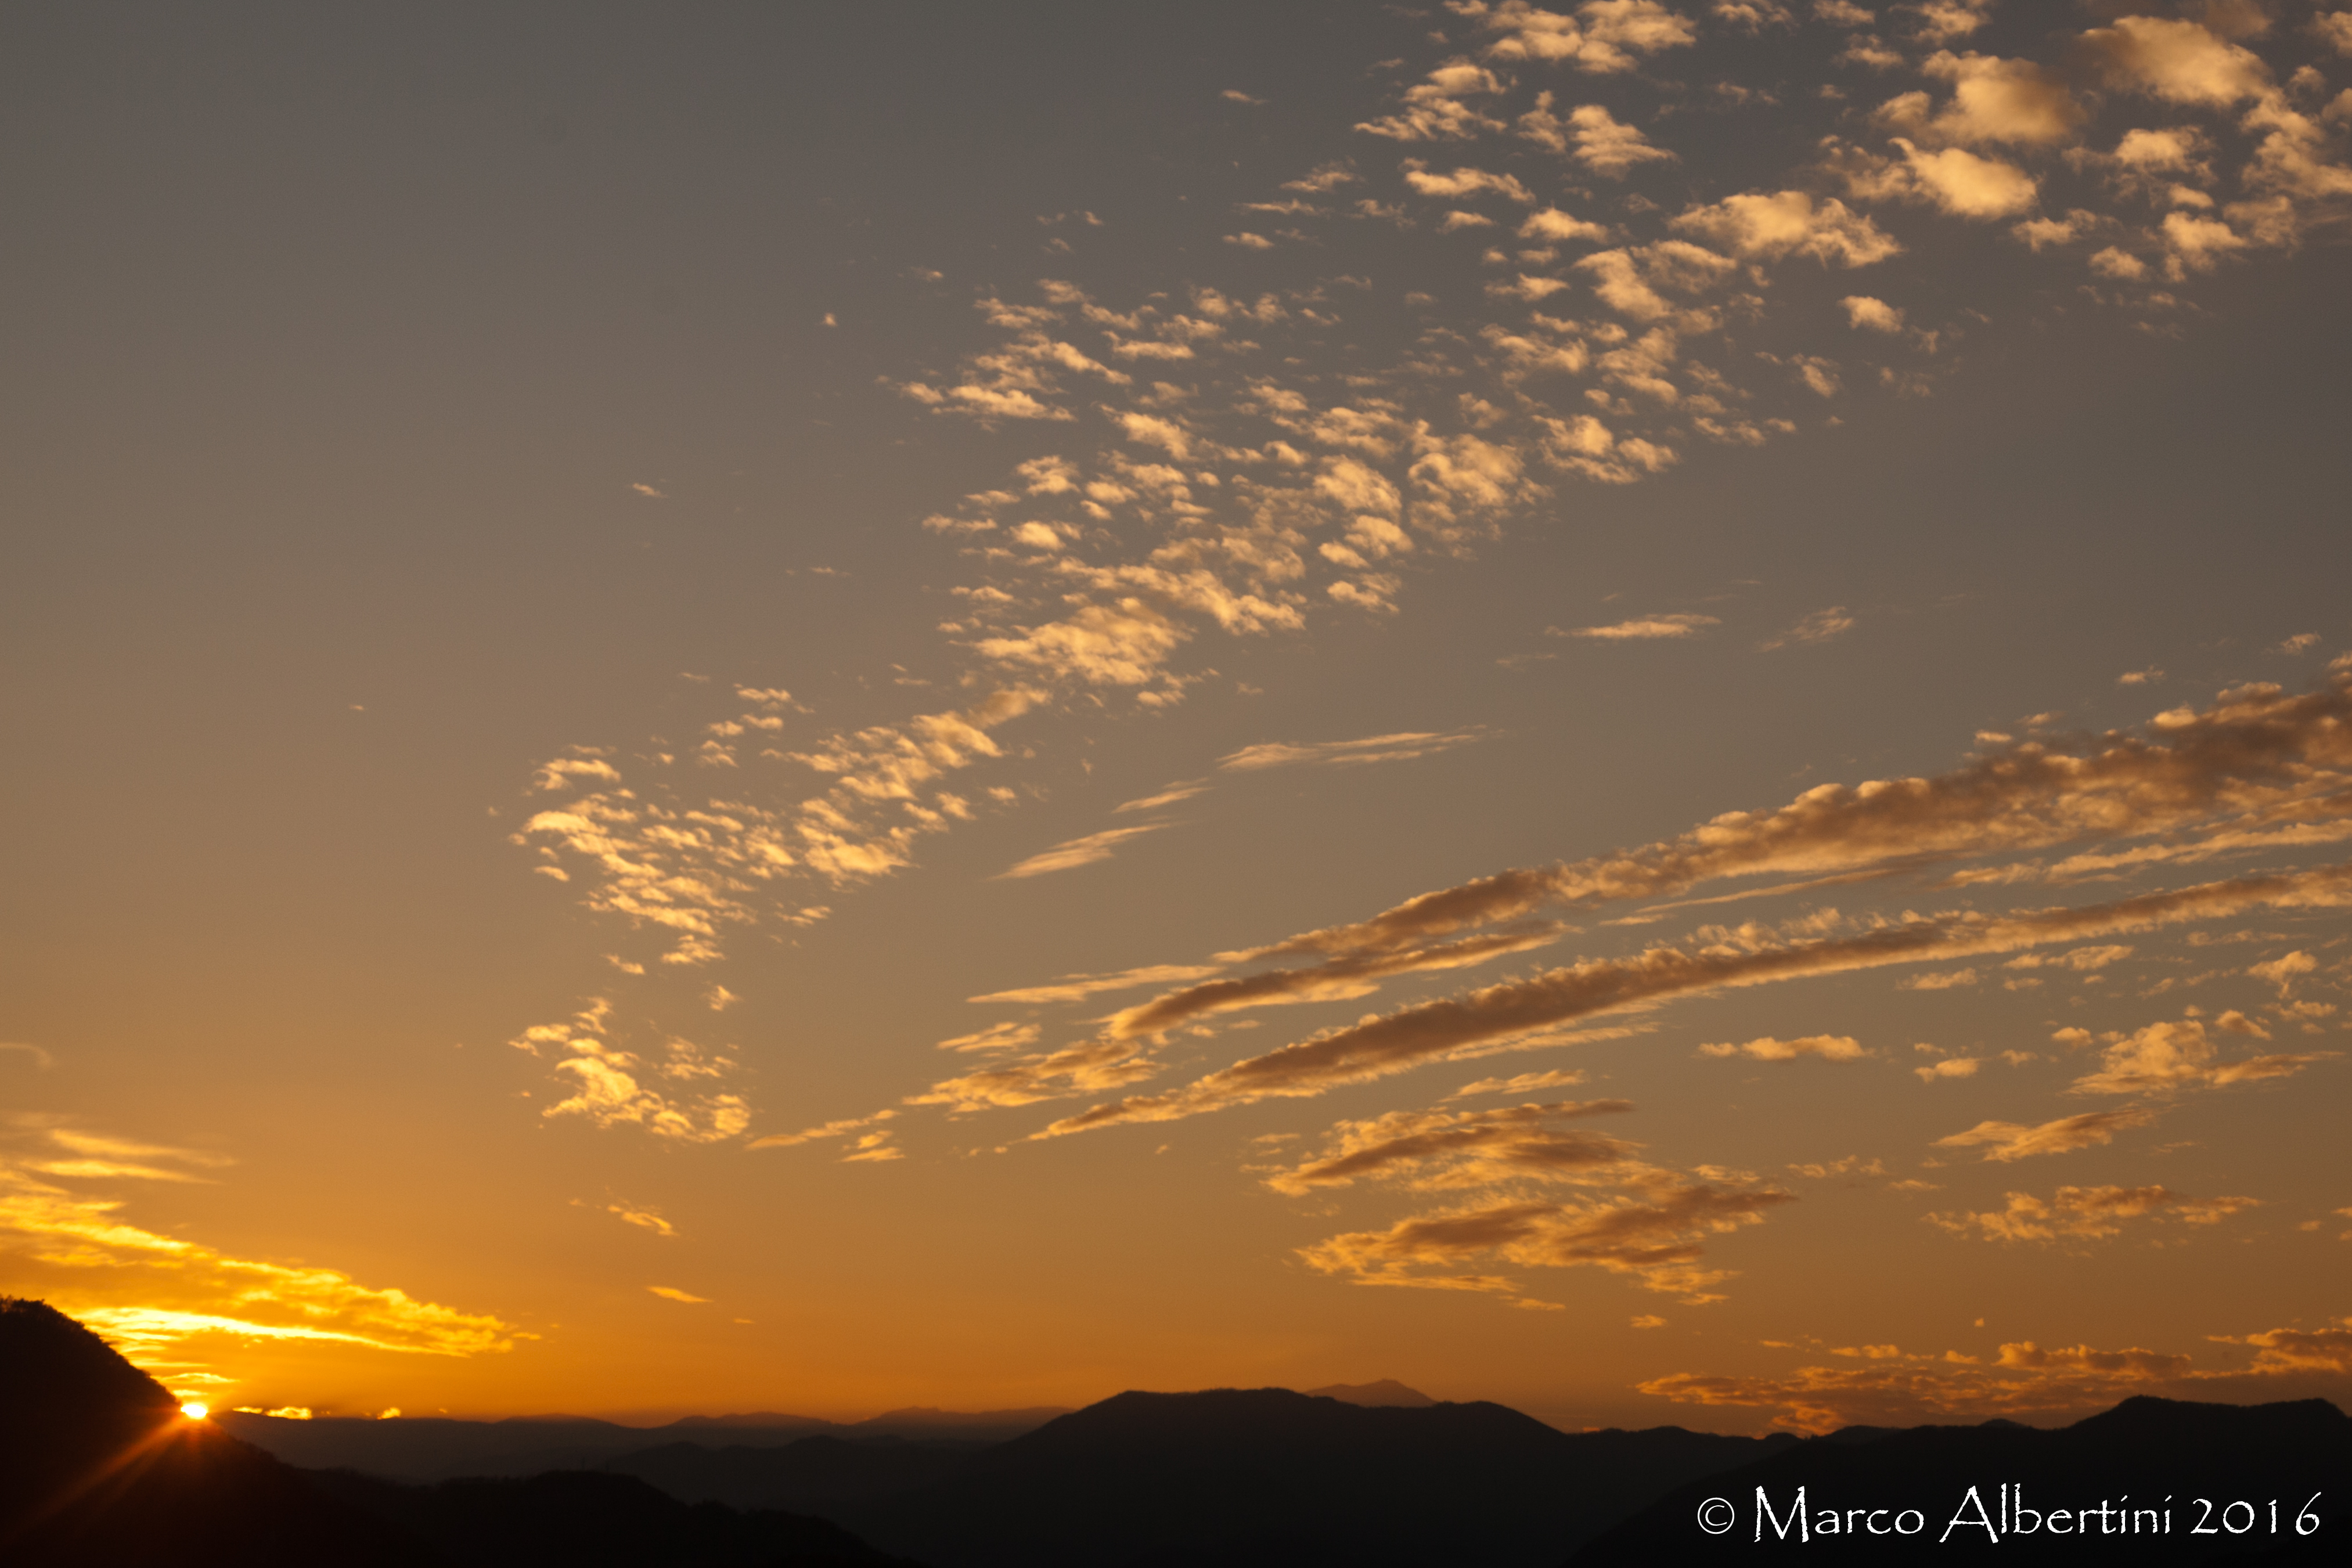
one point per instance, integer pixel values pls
(1642, 628)
(1818, 627)
(2007, 1141)
(1088, 850)
(1074, 987)
(179, 1308)
(1399, 747)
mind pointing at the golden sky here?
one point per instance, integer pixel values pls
(1643, 710)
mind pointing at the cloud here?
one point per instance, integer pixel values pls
(2166, 1058)
(36, 1054)
(2012, 1141)
(1862, 311)
(1907, 1389)
(1651, 1234)
(1384, 1045)
(1553, 225)
(181, 1310)
(2300, 1350)
(1523, 1083)
(1955, 181)
(1759, 225)
(606, 1084)
(2258, 754)
(1170, 796)
(1828, 1046)
(1466, 182)
(1073, 988)
(1993, 100)
(1643, 628)
(1818, 627)
(2087, 1213)
(1608, 148)
(1949, 980)
(1335, 980)
(670, 1293)
(1076, 853)
(1119, 645)
(642, 1218)
(2179, 62)
(1602, 39)
(828, 1129)
(1431, 1150)
(994, 1038)
(2284, 972)
(1399, 747)
(1950, 1067)
(1436, 107)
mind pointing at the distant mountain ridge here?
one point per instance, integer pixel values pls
(1388, 1392)
(433, 1448)
(1266, 1477)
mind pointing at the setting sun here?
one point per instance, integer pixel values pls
(194, 1410)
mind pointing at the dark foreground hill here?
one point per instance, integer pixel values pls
(1241, 1478)
(98, 1468)
(816, 1475)
(585, 1520)
(2177, 1482)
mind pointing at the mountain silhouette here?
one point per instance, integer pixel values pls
(2160, 1456)
(816, 1475)
(583, 1519)
(1388, 1391)
(1241, 1478)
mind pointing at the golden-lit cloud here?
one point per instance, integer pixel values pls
(1522, 1083)
(1399, 747)
(1075, 988)
(1761, 226)
(179, 1308)
(1828, 1046)
(2168, 1057)
(2177, 61)
(1438, 1149)
(1087, 851)
(1644, 628)
(2013, 1141)
(642, 1218)
(608, 1086)
(1381, 1046)
(2088, 1213)
(1653, 1232)
(670, 1293)
(828, 1129)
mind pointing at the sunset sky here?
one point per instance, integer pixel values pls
(1644, 710)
